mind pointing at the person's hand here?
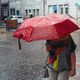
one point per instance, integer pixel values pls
(72, 72)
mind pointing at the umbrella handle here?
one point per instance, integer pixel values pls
(19, 43)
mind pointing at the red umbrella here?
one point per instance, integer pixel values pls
(52, 26)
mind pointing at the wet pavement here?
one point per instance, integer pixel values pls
(24, 64)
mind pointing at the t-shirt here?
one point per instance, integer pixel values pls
(63, 58)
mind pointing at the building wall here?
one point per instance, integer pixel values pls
(4, 9)
(32, 7)
(26, 7)
(71, 4)
(16, 5)
(4, 1)
(55, 2)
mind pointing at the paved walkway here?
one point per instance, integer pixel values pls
(77, 76)
(23, 60)
(2, 34)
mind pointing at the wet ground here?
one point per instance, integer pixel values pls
(24, 64)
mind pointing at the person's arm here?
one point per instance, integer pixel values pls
(73, 64)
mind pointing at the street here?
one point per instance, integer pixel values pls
(27, 63)
(24, 64)
(37, 19)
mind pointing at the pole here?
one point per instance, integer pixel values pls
(76, 4)
(0, 10)
(44, 7)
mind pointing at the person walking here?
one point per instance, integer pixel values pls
(61, 62)
(31, 16)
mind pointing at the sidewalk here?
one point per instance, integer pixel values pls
(2, 30)
(2, 34)
(2, 25)
(76, 77)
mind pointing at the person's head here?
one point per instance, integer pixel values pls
(31, 16)
(62, 42)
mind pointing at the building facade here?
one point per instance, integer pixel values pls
(71, 7)
(4, 9)
(26, 7)
(41, 7)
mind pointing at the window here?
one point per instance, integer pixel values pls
(17, 12)
(61, 9)
(12, 11)
(66, 10)
(5, 13)
(52, 9)
(33, 12)
(29, 10)
(26, 12)
(37, 12)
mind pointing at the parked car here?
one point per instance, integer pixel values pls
(15, 17)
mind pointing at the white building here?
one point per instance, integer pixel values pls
(71, 7)
(43, 7)
(26, 7)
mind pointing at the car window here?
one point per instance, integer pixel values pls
(19, 17)
(11, 16)
(16, 17)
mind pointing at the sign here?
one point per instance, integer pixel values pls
(11, 23)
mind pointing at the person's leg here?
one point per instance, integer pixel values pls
(52, 74)
(63, 75)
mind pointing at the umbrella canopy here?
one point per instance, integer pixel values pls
(52, 26)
